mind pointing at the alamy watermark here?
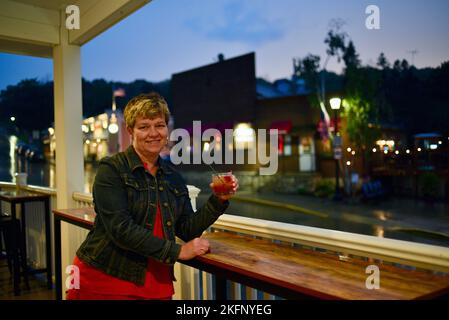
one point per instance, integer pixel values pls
(73, 279)
(191, 150)
(73, 19)
(373, 280)
(372, 22)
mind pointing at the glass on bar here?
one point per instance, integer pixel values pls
(222, 183)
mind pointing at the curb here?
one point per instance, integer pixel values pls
(282, 206)
(418, 231)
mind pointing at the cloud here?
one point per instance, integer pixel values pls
(238, 24)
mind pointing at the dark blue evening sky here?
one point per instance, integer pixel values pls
(169, 36)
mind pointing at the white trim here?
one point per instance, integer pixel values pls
(44, 190)
(100, 15)
(30, 24)
(83, 197)
(8, 185)
(87, 197)
(407, 252)
(39, 189)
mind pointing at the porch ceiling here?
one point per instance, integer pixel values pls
(52, 5)
(32, 27)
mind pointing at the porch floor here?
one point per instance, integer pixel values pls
(38, 287)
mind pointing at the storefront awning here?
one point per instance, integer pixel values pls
(284, 126)
(220, 126)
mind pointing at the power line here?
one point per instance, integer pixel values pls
(413, 53)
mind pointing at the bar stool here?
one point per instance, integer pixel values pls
(11, 233)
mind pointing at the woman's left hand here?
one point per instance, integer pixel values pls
(235, 186)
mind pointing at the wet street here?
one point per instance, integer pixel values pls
(403, 219)
(38, 173)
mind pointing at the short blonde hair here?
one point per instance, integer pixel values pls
(148, 106)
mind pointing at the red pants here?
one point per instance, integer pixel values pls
(76, 294)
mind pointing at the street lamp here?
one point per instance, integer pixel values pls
(335, 105)
(113, 126)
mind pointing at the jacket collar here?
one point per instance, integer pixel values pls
(135, 162)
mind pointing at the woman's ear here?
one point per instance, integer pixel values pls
(130, 131)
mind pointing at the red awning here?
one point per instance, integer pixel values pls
(284, 126)
(220, 126)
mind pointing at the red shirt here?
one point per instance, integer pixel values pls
(158, 282)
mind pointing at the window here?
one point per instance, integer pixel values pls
(287, 145)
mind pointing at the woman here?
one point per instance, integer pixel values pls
(142, 203)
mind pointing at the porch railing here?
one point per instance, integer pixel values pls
(35, 225)
(194, 284)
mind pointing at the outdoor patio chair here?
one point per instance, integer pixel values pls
(8, 230)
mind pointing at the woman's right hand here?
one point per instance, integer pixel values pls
(193, 248)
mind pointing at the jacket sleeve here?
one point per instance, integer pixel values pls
(111, 206)
(191, 224)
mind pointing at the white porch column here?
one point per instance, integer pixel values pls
(69, 144)
(68, 119)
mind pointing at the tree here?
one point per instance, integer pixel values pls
(382, 61)
(335, 41)
(361, 103)
(361, 110)
(361, 88)
(351, 57)
(30, 102)
(309, 69)
(405, 65)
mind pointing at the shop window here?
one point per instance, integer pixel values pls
(287, 145)
(281, 144)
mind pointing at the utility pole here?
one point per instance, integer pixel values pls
(413, 53)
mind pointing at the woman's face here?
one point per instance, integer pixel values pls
(149, 135)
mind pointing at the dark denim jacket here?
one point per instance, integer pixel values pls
(125, 198)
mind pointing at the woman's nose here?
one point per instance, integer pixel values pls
(153, 132)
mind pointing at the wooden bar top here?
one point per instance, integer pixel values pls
(311, 273)
(21, 195)
(80, 216)
(318, 274)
